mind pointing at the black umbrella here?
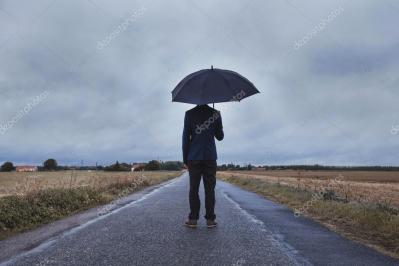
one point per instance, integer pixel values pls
(213, 86)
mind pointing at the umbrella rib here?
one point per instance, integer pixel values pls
(188, 79)
(202, 90)
(228, 84)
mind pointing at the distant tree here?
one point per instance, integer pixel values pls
(153, 166)
(222, 167)
(123, 167)
(50, 164)
(230, 166)
(171, 166)
(7, 167)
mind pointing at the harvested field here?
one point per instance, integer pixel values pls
(14, 183)
(377, 187)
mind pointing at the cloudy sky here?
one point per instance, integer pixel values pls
(91, 79)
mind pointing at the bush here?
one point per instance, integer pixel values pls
(7, 167)
(172, 166)
(50, 164)
(153, 166)
(123, 167)
(23, 212)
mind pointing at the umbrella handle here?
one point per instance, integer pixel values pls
(213, 105)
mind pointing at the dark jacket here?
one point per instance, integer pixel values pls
(202, 125)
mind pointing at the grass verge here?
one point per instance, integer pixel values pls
(20, 213)
(375, 225)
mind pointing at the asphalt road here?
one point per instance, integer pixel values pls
(150, 231)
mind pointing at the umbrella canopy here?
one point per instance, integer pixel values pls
(213, 86)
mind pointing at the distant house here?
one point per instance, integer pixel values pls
(26, 168)
(138, 167)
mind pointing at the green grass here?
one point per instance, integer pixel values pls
(373, 224)
(19, 213)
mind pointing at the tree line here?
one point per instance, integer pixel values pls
(153, 165)
(234, 167)
(48, 165)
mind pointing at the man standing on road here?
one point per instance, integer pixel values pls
(202, 125)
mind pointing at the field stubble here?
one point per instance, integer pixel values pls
(365, 211)
(363, 186)
(22, 183)
(32, 199)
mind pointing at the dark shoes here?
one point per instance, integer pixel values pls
(191, 223)
(211, 223)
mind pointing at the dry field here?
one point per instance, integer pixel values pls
(31, 199)
(364, 186)
(361, 176)
(13, 183)
(363, 206)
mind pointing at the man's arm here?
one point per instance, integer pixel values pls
(186, 138)
(219, 134)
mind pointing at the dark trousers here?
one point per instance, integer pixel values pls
(206, 169)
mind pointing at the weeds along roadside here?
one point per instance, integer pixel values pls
(29, 209)
(375, 224)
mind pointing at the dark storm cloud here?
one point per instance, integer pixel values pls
(331, 101)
